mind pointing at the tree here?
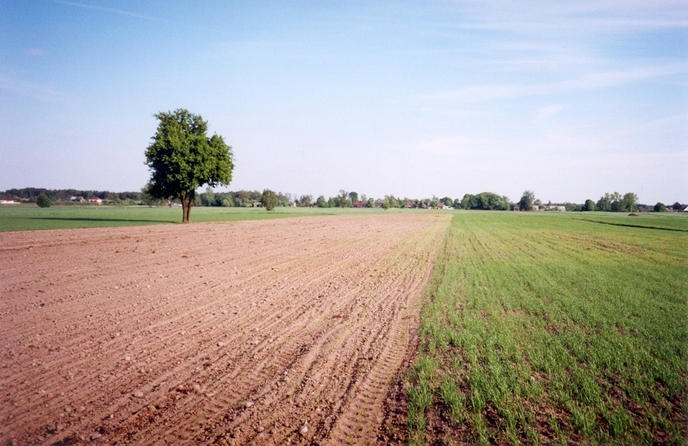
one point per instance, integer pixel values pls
(526, 202)
(306, 200)
(268, 199)
(182, 158)
(208, 198)
(353, 196)
(589, 205)
(43, 201)
(660, 207)
(321, 202)
(343, 201)
(677, 207)
(604, 203)
(629, 202)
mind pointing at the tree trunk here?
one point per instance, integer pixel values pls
(188, 209)
(185, 215)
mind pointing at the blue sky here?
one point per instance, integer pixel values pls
(568, 99)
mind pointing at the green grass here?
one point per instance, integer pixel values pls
(27, 218)
(549, 328)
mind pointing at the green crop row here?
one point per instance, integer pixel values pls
(542, 329)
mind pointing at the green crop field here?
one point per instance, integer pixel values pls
(27, 217)
(555, 328)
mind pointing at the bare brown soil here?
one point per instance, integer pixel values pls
(261, 332)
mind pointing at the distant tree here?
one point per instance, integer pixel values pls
(182, 158)
(604, 203)
(392, 201)
(447, 201)
(456, 204)
(306, 200)
(363, 197)
(268, 199)
(353, 196)
(660, 207)
(43, 201)
(589, 205)
(385, 204)
(677, 207)
(321, 202)
(527, 200)
(208, 197)
(569, 206)
(370, 203)
(629, 202)
(343, 201)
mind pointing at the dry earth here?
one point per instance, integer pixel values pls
(261, 332)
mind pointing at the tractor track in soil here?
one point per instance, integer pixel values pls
(226, 333)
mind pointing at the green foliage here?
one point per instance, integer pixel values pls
(545, 327)
(182, 158)
(43, 201)
(321, 202)
(527, 200)
(660, 207)
(589, 206)
(269, 199)
(343, 200)
(353, 196)
(678, 207)
(305, 201)
(486, 201)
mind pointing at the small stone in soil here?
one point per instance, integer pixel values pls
(95, 436)
(138, 394)
(303, 430)
(248, 404)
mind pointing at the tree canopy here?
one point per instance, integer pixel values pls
(527, 200)
(182, 158)
(268, 199)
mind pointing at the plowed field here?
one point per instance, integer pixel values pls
(261, 332)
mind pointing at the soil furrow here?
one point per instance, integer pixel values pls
(261, 332)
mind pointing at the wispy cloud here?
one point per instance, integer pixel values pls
(36, 52)
(30, 89)
(586, 82)
(547, 112)
(111, 10)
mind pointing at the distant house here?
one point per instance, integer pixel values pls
(536, 207)
(378, 203)
(555, 208)
(8, 202)
(360, 204)
(95, 200)
(516, 208)
(77, 199)
(256, 204)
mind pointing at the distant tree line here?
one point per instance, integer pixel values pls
(31, 194)
(609, 202)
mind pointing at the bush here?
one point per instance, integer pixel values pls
(43, 201)
(660, 207)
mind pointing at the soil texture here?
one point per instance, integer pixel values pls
(286, 331)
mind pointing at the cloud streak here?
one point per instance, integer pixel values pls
(586, 82)
(111, 10)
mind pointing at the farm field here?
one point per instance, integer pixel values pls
(554, 329)
(261, 332)
(26, 217)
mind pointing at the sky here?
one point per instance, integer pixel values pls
(410, 98)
